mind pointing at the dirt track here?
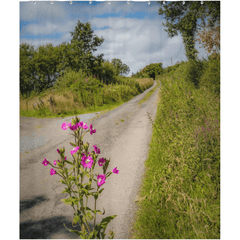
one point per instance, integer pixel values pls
(123, 135)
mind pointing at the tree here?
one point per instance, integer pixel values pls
(83, 44)
(46, 60)
(121, 68)
(26, 68)
(209, 37)
(151, 71)
(184, 18)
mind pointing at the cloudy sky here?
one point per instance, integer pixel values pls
(132, 32)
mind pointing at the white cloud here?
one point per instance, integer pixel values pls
(137, 42)
(42, 10)
(43, 41)
(48, 28)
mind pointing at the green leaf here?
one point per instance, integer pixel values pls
(71, 200)
(66, 190)
(76, 219)
(68, 162)
(62, 181)
(103, 224)
(71, 178)
(89, 216)
(98, 211)
(78, 233)
(73, 144)
(93, 234)
(101, 190)
(84, 190)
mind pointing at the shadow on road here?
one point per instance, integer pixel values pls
(27, 204)
(46, 227)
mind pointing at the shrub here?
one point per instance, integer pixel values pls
(194, 71)
(211, 76)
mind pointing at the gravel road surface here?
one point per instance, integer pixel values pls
(123, 135)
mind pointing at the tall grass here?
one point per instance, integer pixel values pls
(181, 188)
(76, 93)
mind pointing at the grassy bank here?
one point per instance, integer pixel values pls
(74, 94)
(180, 194)
(149, 94)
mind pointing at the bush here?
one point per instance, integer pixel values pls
(69, 78)
(211, 75)
(194, 71)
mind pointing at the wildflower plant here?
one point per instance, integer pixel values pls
(82, 167)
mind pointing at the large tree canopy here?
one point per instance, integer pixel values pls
(187, 19)
(121, 68)
(84, 43)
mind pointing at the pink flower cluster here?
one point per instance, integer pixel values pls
(97, 150)
(101, 179)
(92, 130)
(87, 161)
(83, 125)
(101, 161)
(74, 150)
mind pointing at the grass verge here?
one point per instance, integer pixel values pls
(149, 94)
(81, 97)
(180, 194)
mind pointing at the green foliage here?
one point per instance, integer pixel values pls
(69, 78)
(45, 61)
(150, 71)
(211, 77)
(41, 67)
(149, 94)
(108, 72)
(26, 69)
(84, 43)
(184, 18)
(77, 93)
(172, 68)
(180, 197)
(194, 71)
(121, 68)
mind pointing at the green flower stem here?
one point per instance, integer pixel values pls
(95, 207)
(89, 230)
(54, 166)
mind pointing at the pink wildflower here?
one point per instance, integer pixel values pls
(55, 162)
(65, 126)
(45, 162)
(58, 151)
(52, 171)
(92, 130)
(115, 170)
(80, 124)
(101, 161)
(87, 161)
(74, 150)
(85, 126)
(101, 179)
(74, 127)
(65, 158)
(97, 150)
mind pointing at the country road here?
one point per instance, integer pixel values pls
(123, 135)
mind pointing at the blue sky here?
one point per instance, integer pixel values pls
(133, 32)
